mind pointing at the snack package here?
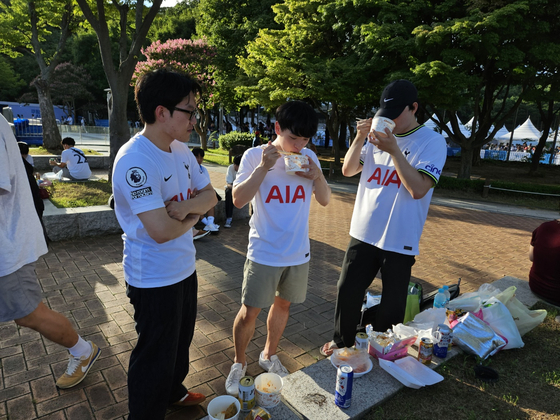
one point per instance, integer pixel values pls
(258, 413)
(357, 359)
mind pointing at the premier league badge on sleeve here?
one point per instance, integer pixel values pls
(136, 177)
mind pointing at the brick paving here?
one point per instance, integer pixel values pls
(83, 279)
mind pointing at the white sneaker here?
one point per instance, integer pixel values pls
(211, 227)
(236, 372)
(228, 223)
(200, 234)
(273, 365)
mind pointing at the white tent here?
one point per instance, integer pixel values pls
(526, 132)
(466, 132)
(432, 125)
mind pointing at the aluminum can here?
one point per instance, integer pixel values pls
(445, 336)
(425, 350)
(247, 393)
(362, 341)
(343, 392)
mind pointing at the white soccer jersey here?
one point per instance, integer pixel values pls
(144, 177)
(279, 234)
(76, 162)
(385, 214)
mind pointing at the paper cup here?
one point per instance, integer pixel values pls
(268, 389)
(293, 163)
(220, 404)
(380, 123)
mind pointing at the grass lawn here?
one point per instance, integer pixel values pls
(80, 194)
(40, 150)
(528, 386)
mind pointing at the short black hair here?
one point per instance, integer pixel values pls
(23, 147)
(161, 87)
(237, 160)
(69, 141)
(197, 151)
(298, 117)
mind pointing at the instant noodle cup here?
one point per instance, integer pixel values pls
(220, 408)
(380, 123)
(268, 389)
(294, 161)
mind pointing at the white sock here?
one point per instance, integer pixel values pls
(211, 219)
(81, 349)
(204, 220)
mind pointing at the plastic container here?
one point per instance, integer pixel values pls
(380, 123)
(440, 300)
(411, 372)
(447, 294)
(268, 389)
(293, 163)
(220, 404)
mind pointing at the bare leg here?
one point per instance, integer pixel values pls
(50, 324)
(276, 323)
(243, 330)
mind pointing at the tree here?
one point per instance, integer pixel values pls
(25, 25)
(119, 73)
(10, 82)
(229, 25)
(314, 57)
(473, 53)
(177, 22)
(194, 58)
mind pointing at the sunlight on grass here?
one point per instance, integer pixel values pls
(552, 378)
(80, 194)
(38, 151)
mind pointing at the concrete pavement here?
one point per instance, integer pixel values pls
(83, 279)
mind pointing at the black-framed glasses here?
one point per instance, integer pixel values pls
(192, 114)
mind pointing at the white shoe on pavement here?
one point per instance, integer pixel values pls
(236, 372)
(211, 227)
(200, 234)
(273, 365)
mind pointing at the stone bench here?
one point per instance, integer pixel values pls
(101, 220)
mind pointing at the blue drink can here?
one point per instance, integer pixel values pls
(343, 392)
(444, 335)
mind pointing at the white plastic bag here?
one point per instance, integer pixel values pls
(432, 316)
(497, 315)
(472, 302)
(413, 330)
(524, 318)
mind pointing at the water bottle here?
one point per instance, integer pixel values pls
(440, 300)
(447, 294)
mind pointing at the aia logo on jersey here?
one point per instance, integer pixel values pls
(181, 197)
(390, 176)
(136, 177)
(285, 197)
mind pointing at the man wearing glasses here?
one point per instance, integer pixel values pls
(154, 176)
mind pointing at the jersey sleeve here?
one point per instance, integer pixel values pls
(6, 165)
(137, 181)
(432, 158)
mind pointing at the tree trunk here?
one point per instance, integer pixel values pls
(466, 163)
(51, 134)
(119, 131)
(476, 156)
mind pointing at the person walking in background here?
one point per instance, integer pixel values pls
(73, 162)
(230, 178)
(22, 242)
(398, 172)
(277, 265)
(153, 177)
(544, 252)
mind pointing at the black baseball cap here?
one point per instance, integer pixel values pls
(396, 97)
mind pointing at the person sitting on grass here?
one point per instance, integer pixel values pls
(73, 163)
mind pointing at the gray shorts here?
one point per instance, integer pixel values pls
(20, 293)
(262, 283)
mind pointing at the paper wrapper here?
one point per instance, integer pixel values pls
(474, 336)
(293, 163)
